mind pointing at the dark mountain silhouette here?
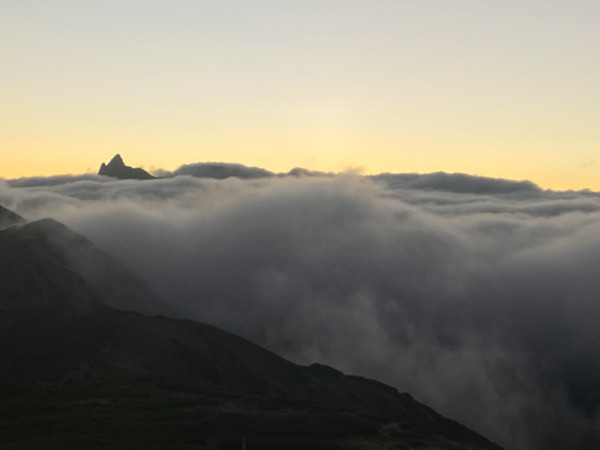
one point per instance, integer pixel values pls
(78, 373)
(116, 168)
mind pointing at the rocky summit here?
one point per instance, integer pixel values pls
(116, 168)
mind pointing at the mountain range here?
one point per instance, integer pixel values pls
(76, 372)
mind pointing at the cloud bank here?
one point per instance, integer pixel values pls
(478, 296)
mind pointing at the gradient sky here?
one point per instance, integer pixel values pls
(498, 88)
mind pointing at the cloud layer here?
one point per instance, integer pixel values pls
(476, 295)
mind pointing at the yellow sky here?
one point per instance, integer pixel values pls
(506, 89)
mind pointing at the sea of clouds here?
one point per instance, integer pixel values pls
(479, 296)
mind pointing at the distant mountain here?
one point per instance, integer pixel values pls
(44, 263)
(221, 171)
(78, 373)
(116, 168)
(456, 182)
(9, 218)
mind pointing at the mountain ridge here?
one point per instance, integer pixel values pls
(9, 218)
(100, 377)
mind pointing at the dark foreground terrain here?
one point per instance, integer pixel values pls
(78, 373)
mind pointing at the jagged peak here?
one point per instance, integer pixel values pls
(116, 168)
(116, 161)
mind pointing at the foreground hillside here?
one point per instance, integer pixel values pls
(77, 373)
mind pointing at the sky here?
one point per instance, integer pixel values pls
(502, 89)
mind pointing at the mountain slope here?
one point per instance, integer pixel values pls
(44, 262)
(110, 362)
(77, 373)
(9, 218)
